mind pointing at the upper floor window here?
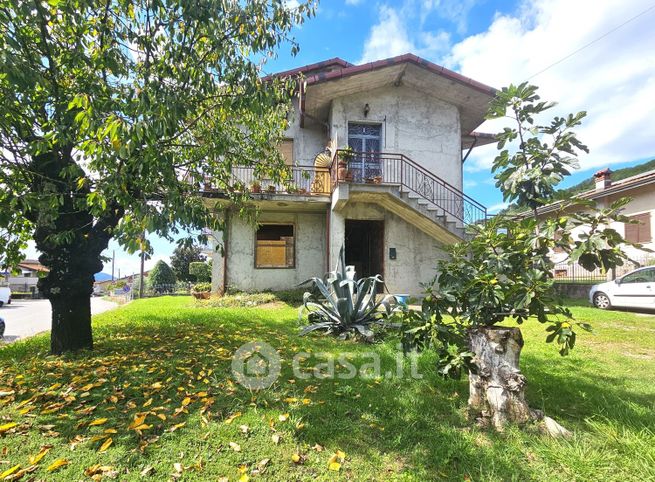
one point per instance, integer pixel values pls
(639, 233)
(275, 246)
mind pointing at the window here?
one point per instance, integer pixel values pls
(275, 246)
(641, 276)
(638, 233)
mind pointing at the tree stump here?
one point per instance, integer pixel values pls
(497, 385)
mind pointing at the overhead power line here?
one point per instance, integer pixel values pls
(644, 12)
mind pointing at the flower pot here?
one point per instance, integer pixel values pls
(343, 170)
(256, 189)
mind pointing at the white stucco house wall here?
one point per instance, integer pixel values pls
(25, 278)
(411, 124)
(640, 189)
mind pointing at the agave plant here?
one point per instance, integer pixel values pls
(340, 305)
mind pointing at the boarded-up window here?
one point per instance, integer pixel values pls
(286, 149)
(275, 246)
(638, 233)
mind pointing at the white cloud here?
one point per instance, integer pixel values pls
(391, 35)
(613, 79)
(388, 37)
(455, 11)
(353, 2)
(497, 207)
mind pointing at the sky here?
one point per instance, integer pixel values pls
(593, 55)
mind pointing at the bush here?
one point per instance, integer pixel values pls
(242, 300)
(161, 278)
(202, 287)
(201, 271)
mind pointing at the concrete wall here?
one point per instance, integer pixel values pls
(308, 141)
(416, 252)
(310, 254)
(425, 129)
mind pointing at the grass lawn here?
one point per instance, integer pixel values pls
(156, 399)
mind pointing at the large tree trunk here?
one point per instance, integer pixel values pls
(71, 324)
(497, 386)
(71, 240)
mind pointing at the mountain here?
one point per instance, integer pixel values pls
(589, 184)
(102, 276)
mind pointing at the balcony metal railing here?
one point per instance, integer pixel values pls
(300, 180)
(369, 168)
(398, 169)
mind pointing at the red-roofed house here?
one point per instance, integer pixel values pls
(411, 125)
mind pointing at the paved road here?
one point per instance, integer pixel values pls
(28, 317)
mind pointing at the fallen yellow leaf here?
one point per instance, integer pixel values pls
(37, 458)
(235, 446)
(295, 458)
(336, 466)
(9, 472)
(284, 417)
(57, 464)
(7, 426)
(186, 401)
(98, 421)
(107, 443)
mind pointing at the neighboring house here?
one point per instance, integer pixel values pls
(641, 190)
(25, 277)
(102, 287)
(411, 124)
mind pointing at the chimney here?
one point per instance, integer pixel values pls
(603, 179)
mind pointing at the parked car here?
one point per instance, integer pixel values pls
(5, 296)
(634, 290)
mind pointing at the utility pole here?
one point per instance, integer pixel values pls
(143, 258)
(113, 259)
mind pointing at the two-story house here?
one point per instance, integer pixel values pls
(399, 202)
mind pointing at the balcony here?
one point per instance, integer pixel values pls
(414, 184)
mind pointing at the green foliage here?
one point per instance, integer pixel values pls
(161, 278)
(202, 287)
(506, 269)
(546, 153)
(200, 271)
(183, 256)
(115, 114)
(588, 184)
(341, 306)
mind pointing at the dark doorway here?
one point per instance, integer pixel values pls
(365, 247)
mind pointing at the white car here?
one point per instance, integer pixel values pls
(634, 290)
(5, 296)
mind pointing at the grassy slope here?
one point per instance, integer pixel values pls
(390, 429)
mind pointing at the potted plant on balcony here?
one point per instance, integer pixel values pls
(201, 291)
(255, 187)
(345, 156)
(271, 188)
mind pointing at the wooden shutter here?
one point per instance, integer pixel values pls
(638, 233)
(286, 149)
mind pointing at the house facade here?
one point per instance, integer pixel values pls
(641, 210)
(24, 280)
(410, 125)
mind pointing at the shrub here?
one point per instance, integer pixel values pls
(201, 271)
(161, 278)
(341, 306)
(202, 287)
